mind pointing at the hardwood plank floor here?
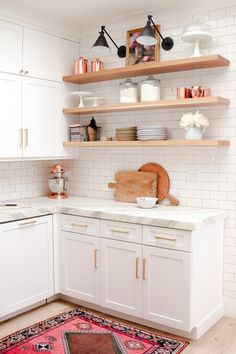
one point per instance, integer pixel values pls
(220, 339)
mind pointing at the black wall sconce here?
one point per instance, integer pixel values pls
(148, 36)
(101, 46)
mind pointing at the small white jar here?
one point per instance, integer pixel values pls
(128, 91)
(150, 89)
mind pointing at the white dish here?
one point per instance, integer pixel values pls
(95, 100)
(146, 202)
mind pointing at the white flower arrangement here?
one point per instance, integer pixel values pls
(190, 120)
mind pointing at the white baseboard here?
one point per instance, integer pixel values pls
(230, 307)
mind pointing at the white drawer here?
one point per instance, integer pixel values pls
(167, 238)
(80, 225)
(122, 231)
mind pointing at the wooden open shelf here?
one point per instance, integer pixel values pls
(173, 142)
(121, 107)
(208, 61)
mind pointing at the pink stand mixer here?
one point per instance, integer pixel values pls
(58, 182)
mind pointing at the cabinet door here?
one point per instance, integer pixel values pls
(10, 112)
(26, 263)
(69, 51)
(41, 55)
(10, 47)
(166, 287)
(80, 267)
(42, 118)
(121, 283)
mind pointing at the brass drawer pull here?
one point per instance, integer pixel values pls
(79, 225)
(27, 223)
(124, 232)
(95, 258)
(144, 268)
(165, 238)
(137, 270)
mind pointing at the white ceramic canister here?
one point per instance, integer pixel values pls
(128, 91)
(150, 89)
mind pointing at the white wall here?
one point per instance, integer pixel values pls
(214, 168)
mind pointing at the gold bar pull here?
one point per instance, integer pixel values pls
(144, 268)
(95, 258)
(137, 270)
(27, 223)
(158, 237)
(124, 232)
(26, 137)
(79, 225)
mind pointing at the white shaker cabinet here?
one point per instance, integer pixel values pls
(26, 263)
(42, 118)
(121, 281)
(166, 287)
(10, 47)
(80, 266)
(11, 116)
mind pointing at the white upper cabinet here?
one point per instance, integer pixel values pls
(10, 47)
(47, 57)
(11, 116)
(41, 55)
(42, 118)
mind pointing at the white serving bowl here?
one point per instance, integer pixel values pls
(146, 202)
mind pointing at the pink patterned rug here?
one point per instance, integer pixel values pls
(81, 332)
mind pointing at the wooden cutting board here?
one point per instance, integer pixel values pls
(133, 184)
(163, 182)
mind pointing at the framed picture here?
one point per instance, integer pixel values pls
(137, 53)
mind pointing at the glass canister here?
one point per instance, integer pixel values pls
(128, 91)
(150, 89)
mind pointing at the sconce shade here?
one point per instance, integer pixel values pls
(101, 46)
(148, 36)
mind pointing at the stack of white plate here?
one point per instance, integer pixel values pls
(151, 132)
(127, 134)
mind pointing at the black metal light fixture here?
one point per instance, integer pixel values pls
(101, 46)
(148, 36)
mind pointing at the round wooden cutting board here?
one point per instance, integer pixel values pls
(163, 182)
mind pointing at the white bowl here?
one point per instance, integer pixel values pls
(146, 202)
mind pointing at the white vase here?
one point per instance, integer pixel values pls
(194, 133)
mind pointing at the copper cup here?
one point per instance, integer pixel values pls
(183, 92)
(80, 66)
(197, 91)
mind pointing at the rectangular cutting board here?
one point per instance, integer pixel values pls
(133, 184)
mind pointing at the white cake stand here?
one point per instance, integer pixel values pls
(96, 100)
(196, 33)
(81, 95)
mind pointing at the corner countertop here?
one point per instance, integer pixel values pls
(176, 217)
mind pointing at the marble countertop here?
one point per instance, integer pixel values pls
(186, 218)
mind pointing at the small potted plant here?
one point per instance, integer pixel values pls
(195, 125)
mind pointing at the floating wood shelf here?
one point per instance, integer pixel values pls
(121, 107)
(138, 143)
(209, 61)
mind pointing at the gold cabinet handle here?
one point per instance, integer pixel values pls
(95, 258)
(21, 137)
(124, 232)
(166, 238)
(137, 268)
(27, 223)
(26, 72)
(144, 268)
(79, 225)
(21, 71)
(26, 137)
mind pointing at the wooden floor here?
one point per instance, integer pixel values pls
(220, 339)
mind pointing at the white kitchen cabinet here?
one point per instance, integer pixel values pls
(80, 264)
(166, 287)
(42, 118)
(121, 282)
(11, 116)
(26, 263)
(10, 47)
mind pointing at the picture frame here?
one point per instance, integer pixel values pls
(137, 53)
